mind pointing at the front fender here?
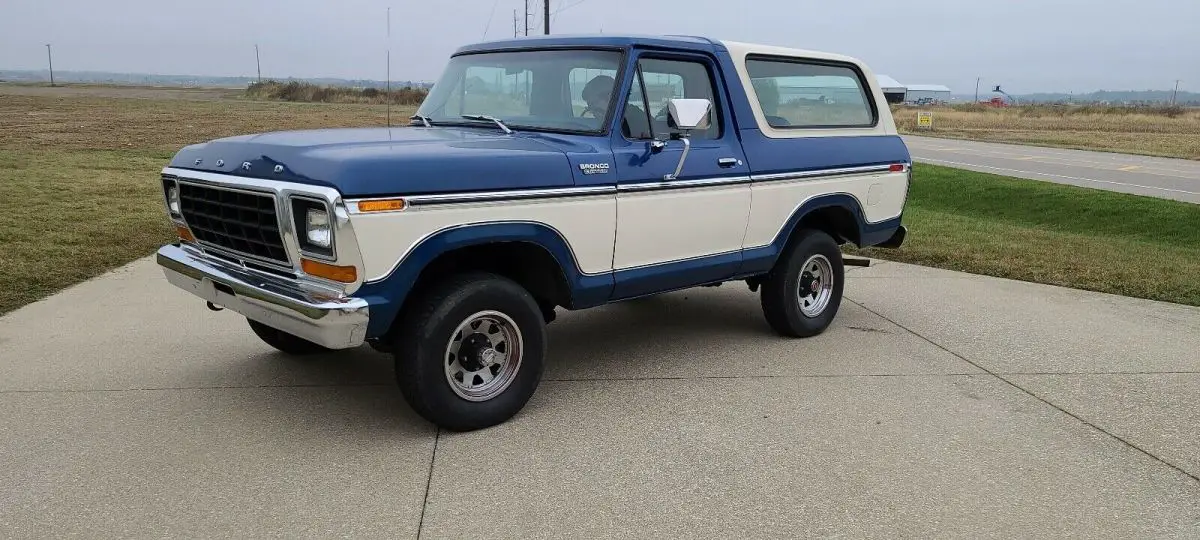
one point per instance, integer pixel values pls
(386, 296)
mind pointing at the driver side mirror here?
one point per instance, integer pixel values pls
(688, 114)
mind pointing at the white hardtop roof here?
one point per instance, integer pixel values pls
(929, 87)
(738, 48)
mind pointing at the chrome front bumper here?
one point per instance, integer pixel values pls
(336, 323)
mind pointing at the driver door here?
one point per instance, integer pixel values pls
(688, 230)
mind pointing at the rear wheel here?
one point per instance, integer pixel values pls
(802, 293)
(469, 351)
(285, 342)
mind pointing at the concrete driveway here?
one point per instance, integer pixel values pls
(1167, 178)
(940, 404)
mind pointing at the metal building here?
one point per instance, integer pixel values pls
(924, 93)
(892, 89)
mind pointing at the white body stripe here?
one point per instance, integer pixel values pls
(655, 227)
(663, 226)
(587, 223)
(773, 203)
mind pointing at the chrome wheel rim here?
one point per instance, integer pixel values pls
(814, 289)
(483, 355)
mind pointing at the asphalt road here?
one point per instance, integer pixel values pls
(939, 404)
(1177, 179)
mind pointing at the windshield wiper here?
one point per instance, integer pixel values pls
(424, 119)
(487, 118)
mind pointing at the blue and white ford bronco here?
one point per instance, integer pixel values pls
(543, 173)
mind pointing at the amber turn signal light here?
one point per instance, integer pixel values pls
(343, 274)
(184, 233)
(387, 205)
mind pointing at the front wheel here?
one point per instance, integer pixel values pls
(802, 293)
(469, 351)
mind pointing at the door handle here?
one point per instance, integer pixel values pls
(728, 162)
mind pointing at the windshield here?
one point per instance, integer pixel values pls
(562, 90)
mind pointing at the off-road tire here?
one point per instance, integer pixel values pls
(285, 342)
(779, 295)
(423, 335)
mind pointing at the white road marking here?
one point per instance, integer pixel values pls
(969, 165)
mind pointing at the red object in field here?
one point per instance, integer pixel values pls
(996, 102)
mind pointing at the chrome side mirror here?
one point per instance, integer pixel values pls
(689, 114)
(686, 115)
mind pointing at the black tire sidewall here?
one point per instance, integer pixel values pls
(285, 342)
(420, 352)
(781, 286)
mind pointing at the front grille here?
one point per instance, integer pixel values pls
(235, 220)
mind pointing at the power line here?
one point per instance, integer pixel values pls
(489, 21)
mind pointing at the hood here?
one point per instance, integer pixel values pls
(362, 162)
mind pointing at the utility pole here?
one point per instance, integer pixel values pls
(546, 15)
(977, 89)
(1175, 92)
(258, 62)
(514, 24)
(527, 17)
(50, 58)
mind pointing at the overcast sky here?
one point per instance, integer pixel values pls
(1025, 45)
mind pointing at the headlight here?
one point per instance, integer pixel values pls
(317, 228)
(173, 200)
(314, 227)
(171, 192)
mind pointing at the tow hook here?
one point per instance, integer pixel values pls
(214, 307)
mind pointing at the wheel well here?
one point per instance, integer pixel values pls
(528, 264)
(837, 221)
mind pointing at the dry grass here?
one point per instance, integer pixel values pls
(1168, 132)
(79, 188)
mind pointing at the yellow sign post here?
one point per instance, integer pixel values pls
(925, 119)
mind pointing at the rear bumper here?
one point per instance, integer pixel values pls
(336, 323)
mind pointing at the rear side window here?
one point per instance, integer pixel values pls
(799, 94)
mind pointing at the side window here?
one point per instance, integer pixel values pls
(666, 79)
(636, 122)
(796, 94)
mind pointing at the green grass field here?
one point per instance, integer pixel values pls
(1051, 233)
(80, 196)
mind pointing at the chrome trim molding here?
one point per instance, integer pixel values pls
(485, 196)
(348, 252)
(717, 181)
(798, 175)
(331, 321)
